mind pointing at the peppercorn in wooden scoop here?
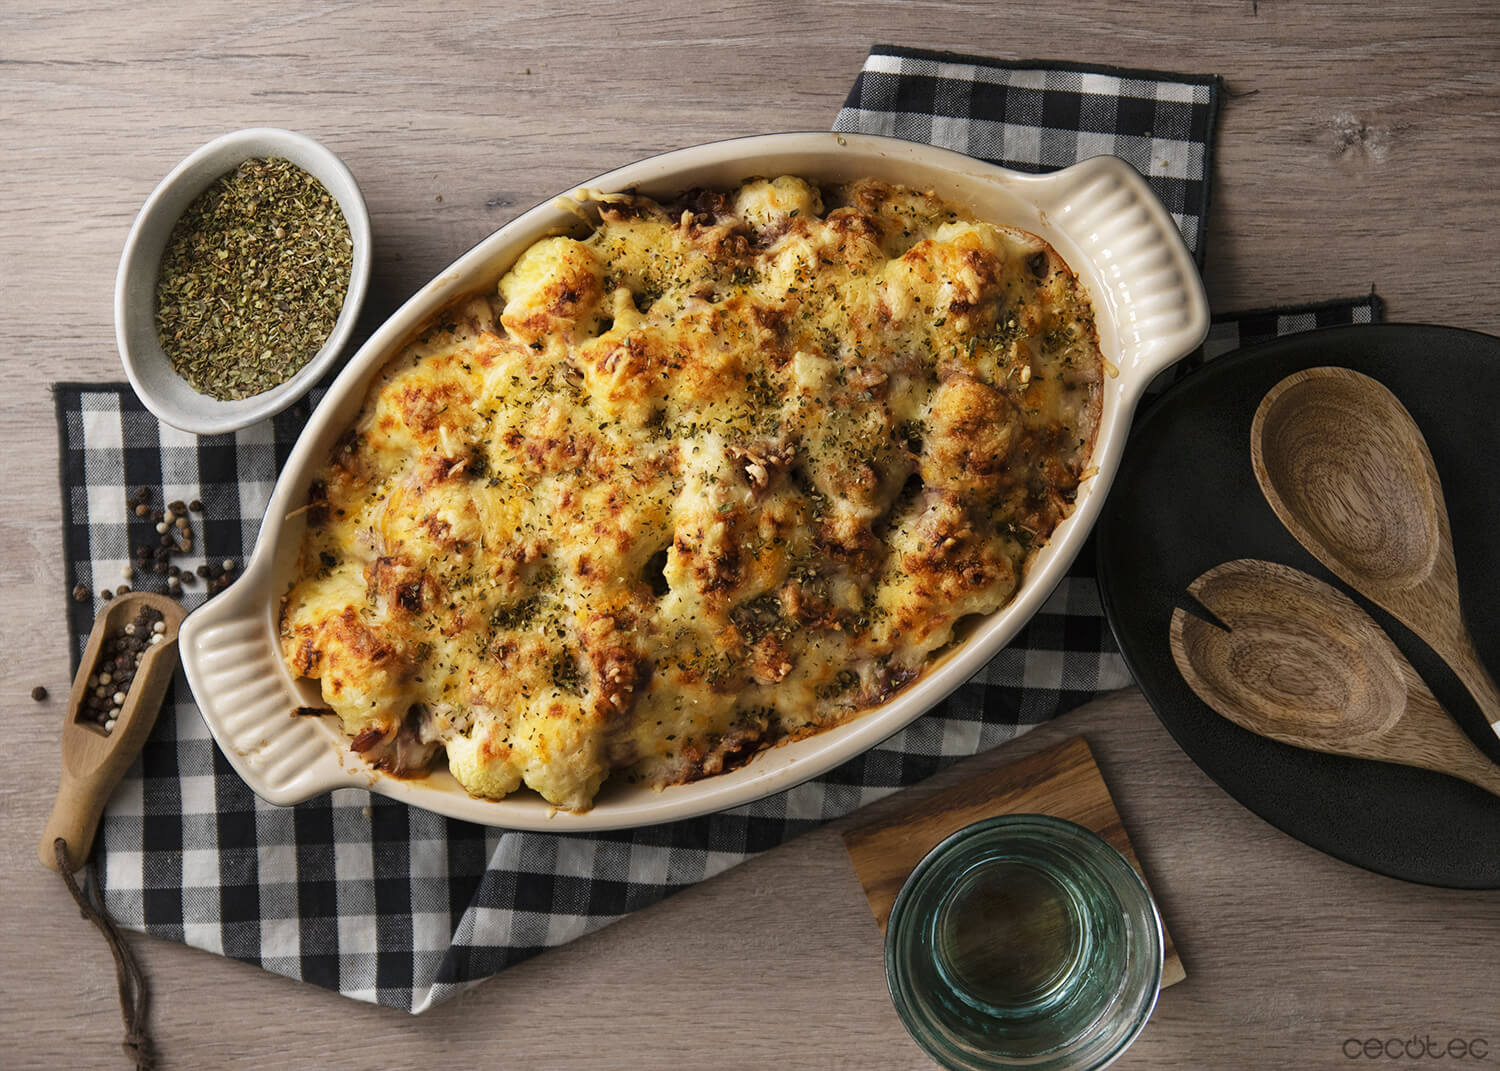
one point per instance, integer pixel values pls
(121, 681)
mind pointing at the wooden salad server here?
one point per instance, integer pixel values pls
(1347, 470)
(1302, 664)
(93, 760)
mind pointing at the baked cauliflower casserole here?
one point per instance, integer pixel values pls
(723, 472)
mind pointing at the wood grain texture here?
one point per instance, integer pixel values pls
(1360, 148)
(1063, 781)
(1301, 663)
(1348, 472)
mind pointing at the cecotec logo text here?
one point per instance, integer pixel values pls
(1424, 1047)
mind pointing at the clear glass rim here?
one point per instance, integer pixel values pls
(912, 1016)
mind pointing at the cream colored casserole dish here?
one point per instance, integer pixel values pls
(1099, 216)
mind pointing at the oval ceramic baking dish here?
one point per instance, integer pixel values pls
(1099, 215)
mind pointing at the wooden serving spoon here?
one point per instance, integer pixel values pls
(93, 760)
(1347, 470)
(1304, 665)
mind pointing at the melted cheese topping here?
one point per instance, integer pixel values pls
(720, 473)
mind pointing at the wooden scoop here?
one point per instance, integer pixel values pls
(93, 761)
(1303, 664)
(1347, 470)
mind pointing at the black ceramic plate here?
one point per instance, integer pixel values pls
(1186, 500)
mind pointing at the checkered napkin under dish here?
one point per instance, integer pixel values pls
(386, 903)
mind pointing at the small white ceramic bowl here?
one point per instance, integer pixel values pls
(161, 389)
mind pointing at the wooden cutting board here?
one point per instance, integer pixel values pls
(1062, 781)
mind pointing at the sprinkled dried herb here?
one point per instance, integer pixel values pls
(252, 279)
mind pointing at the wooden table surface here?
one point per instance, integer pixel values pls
(1360, 146)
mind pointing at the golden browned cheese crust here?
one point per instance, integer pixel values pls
(716, 474)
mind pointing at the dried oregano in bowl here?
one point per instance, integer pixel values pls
(252, 279)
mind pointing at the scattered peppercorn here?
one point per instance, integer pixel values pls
(106, 594)
(39, 693)
(80, 593)
(174, 531)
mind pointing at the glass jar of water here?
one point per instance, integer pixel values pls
(1024, 941)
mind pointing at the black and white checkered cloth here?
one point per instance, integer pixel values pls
(1044, 115)
(386, 903)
